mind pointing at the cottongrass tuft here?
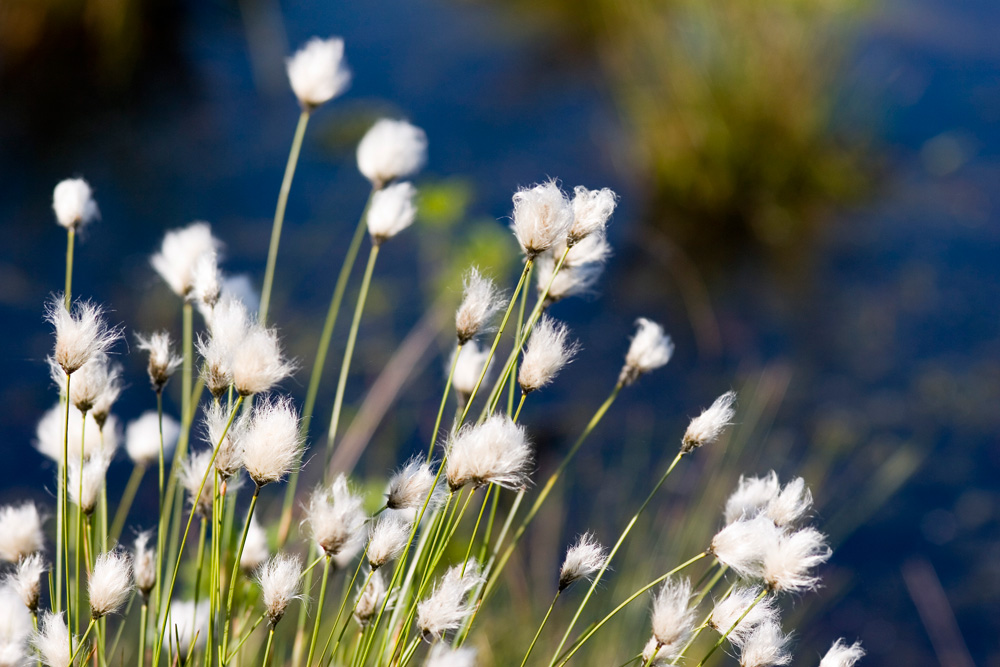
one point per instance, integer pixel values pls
(742, 545)
(442, 655)
(494, 452)
(317, 72)
(468, 368)
(144, 563)
(542, 217)
(709, 425)
(81, 334)
(25, 580)
(86, 480)
(572, 280)
(52, 640)
(789, 559)
(229, 325)
(51, 428)
(258, 362)
(446, 608)
(370, 600)
(751, 497)
(591, 211)
(410, 486)
(728, 610)
(650, 349)
(481, 300)
(110, 583)
(335, 516)
(229, 460)
(672, 620)
(279, 585)
(583, 559)
(206, 284)
(766, 646)
(391, 211)
(842, 655)
(20, 532)
(88, 381)
(390, 150)
(791, 504)
(191, 473)
(162, 361)
(188, 620)
(180, 253)
(388, 539)
(142, 438)
(255, 549)
(548, 350)
(73, 203)
(271, 444)
(15, 630)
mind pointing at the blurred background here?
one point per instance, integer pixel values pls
(807, 203)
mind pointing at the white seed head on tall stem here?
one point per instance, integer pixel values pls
(591, 211)
(388, 539)
(442, 655)
(742, 545)
(110, 391)
(410, 486)
(144, 563)
(191, 472)
(789, 560)
(279, 585)
(468, 368)
(673, 617)
(52, 427)
(110, 583)
(15, 630)
(86, 480)
(370, 600)
(350, 551)
(229, 460)
(162, 361)
(52, 640)
(258, 362)
(142, 438)
(842, 655)
(481, 300)
(446, 608)
(791, 504)
(548, 350)
(180, 253)
(271, 443)
(766, 646)
(73, 203)
(542, 217)
(650, 349)
(25, 580)
(81, 334)
(318, 72)
(256, 549)
(583, 559)
(751, 497)
(206, 284)
(494, 452)
(392, 210)
(728, 610)
(88, 381)
(390, 150)
(20, 531)
(572, 280)
(335, 516)
(709, 425)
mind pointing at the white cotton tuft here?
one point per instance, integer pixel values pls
(751, 497)
(709, 425)
(162, 361)
(15, 630)
(542, 217)
(581, 269)
(258, 362)
(180, 253)
(51, 429)
(791, 504)
(227, 437)
(442, 655)
(583, 559)
(842, 655)
(789, 559)
(20, 532)
(481, 300)
(370, 600)
(389, 537)
(468, 368)
(391, 149)
(729, 610)
(111, 389)
(591, 211)
(87, 479)
(547, 351)
(80, 335)
(144, 563)
(110, 583)
(410, 486)
(391, 211)
(446, 608)
(494, 452)
(271, 443)
(279, 585)
(89, 381)
(742, 545)
(318, 72)
(191, 473)
(650, 349)
(766, 646)
(25, 580)
(142, 438)
(255, 549)
(73, 202)
(335, 516)
(188, 620)
(52, 640)
(206, 282)
(673, 618)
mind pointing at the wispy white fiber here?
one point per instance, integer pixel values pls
(81, 334)
(591, 211)
(162, 361)
(20, 531)
(481, 300)
(388, 539)
(258, 362)
(279, 585)
(583, 559)
(271, 443)
(547, 351)
(52, 640)
(335, 516)
(494, 452)
(318, 72)
(650, 349)
(447, 606)
(73, 203)
(144, 563)
(842, 655)
(25, 580)
(542, 216)
(180, 253)
(709, 425)
(110, 583)
(729, 610)
(390, 150)
(409, 487)
(255, 549)
(766, 646)
(468, 368)
(142, 438)
(391, 211)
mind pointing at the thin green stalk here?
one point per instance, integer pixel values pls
(319, 611)
(408, 653)
(200, 558)
(649, 662)
(267, 649)
(520, 332)
(79, 521)
(597, 626)
(236, 649)
(143, 620)
(739, 620)
(444, 401)
(611, 555)
(90, 626)
(475, 530)
(68, 293)
(65, 504)
(538, 634)
(128, 497)
(352, 338)
(236, 568)
(279, 214)
(519, 406)
(347, 621)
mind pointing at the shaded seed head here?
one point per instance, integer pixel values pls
(391, 211)
(142, 438)
(709, 425)
(162, 361)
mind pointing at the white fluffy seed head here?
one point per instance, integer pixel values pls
(591, 211)
(162, 361)
(144, 563)
(766, 646)
(279, 584)
(481, 300)
(446, 607)
(180, 253)
(258, 362)
(318, 72)
(673, 618)
(650, 349)
(709, 425)
(370, 599)
(218, 430)
(390, 150)
(188, 620)
(110, 583)
(410, 486)
(229, 325)
(729, 610)
(25, 580)
(542, 217)
(335, 516)
(271, 444)
(583, 559)
(52, 640)
(20, 532)
(388, 539)
(442, 655)
(572, 280)
(52, 427)
(842, 655)
(73, 202)
(255, 549)
(142, 438)
(751, 497)
(789, 560)
(548, 350)
(494, 452)
(391, 211)
(791, 504)
(88, 381)
(206, 284)
(110, 391)
(15, 629)
(80, 335)
(468, 368)
(742, 545)
(192, 471)
(87, 479)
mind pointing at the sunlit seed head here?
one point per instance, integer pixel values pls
(25, 580)
(673, 617)
(258, 362)
(481, 300)
(144, 563)
(842, 655)
(279, 585)
(110, 583)
(766, 646)
(180, 253)
(390, 150)
(162, 361)
(547, 351)
(650, 349)
(743, 544)
(494, 452)
(335, 516)
(142, 438)
(52, 641)
(391, 211)
(591, 211)
(51, 439)
(318, 72)
(410, 486)
(791, 504)
(789, 561)
(542, 217)
(742, 602)
(219, 432)
(87, 479)
(389, 537)
(188, 622)
(20, 531)
(271, 443)
(468, 369)
(207, 281)
(81, 334)
(370, 600)
(73, 203)
(709, 425)
(751, 497)
(447, 606)
(583, 559)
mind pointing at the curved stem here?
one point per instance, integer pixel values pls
(444, 401)
(545, 620)
(90, 626)
(236, 568)
(319, 611)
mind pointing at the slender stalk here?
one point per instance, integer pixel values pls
(354, 608)
(200, 558)
(763, 594)
(79, 521)
(475, 530)
(520, 405)
(65, 507)
(236, 567)
(90, 626)
(649, 662)
(279, 214)
(143, 620)
(444, 401)
(236, 649)
(319, 611)
(68, 293)
(545, 620)
(128, 497)
(267, 649)
(611, 555)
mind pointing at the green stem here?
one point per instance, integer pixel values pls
(649, 662)
(65, 504)
(319, 611)
(519, 330)
(545, 620)
(90, 626)
(519, 406)
(236, 649)
(279, 214)
(444, 401)
(128, 497)
(267, 649)
(343, 605)
(236, 568)
(739, 620)
(143, 620)
(475, 530)
(79, 522)
(68, 293)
